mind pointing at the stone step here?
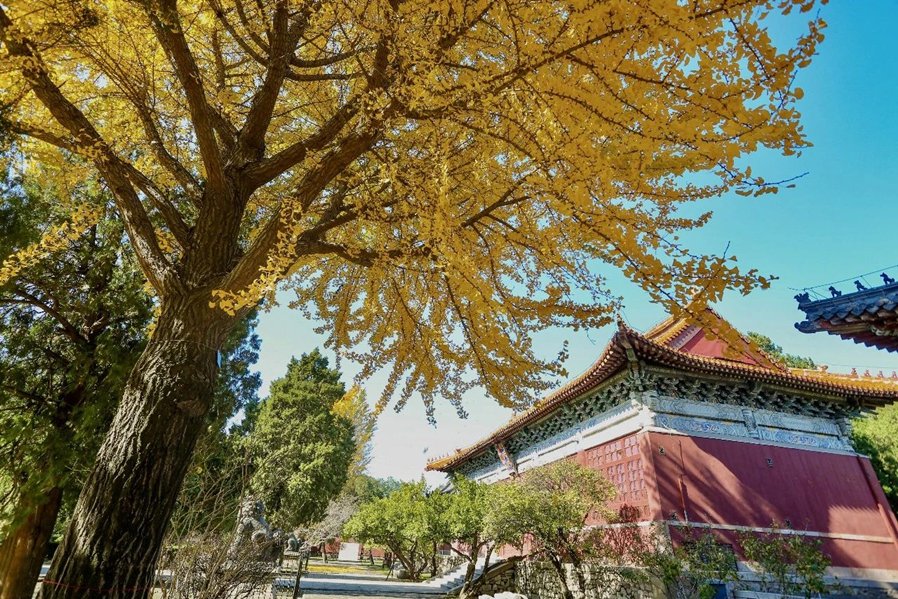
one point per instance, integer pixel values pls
(454, 578)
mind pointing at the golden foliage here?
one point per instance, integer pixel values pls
(436, 180)
(354, 407)
(54, 239)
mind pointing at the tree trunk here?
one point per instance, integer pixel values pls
(113, 540)
(562, 577)
(23, 550)
(467, 587)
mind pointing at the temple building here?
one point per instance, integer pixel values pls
(694, 429)
(868, 315)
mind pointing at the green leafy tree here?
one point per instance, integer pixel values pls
(688, 569)
(463, 527)
(359, 490)
(407, 522)
(777, 353)
(876, 435)
(368, 488)
(549, 507)
(301, 450)
(72, 325)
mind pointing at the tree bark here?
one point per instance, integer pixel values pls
(562, 577)
(467, 587)
(112, 544)
(471, 587)
(24, 548)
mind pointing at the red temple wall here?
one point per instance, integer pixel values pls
(730, 483)
(623, 462)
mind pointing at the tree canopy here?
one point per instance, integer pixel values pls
(777, 353)
(407, 522)
(434, 180)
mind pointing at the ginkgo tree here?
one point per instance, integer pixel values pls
(435, 180)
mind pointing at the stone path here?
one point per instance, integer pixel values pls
(335, 585)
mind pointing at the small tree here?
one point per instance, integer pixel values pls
(550, 506)
(407, 522)
(788, 564)
(463, 528)
(690, 568)
(338, 513)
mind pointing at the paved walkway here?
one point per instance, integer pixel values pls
(341, 584)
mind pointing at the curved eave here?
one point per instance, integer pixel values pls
(608, 364)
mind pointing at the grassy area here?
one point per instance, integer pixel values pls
(322, 568)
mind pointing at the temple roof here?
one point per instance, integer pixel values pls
(868, 316)
(711, 348)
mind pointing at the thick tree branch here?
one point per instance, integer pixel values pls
(25, 394)
(187, 181)
(67, 328)
(241, 41)
(167, 25)
(283, 43)
(322, 62)
(505, 200)
(136, 93)
(290, 74)
(256, 257)
(170, 214)
(270, 168)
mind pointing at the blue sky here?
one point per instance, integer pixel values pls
(839, 221)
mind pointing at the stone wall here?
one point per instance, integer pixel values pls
(448, 562)
(538, 580)
(751, 587)
(499, 580)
